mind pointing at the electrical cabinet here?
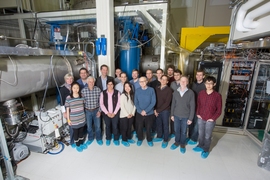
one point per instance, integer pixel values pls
(257, 116)
(237, 96)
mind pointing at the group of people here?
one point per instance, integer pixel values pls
(163, 105)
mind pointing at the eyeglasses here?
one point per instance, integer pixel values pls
(142, 81)
(110, 84)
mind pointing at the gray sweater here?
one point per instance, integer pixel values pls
(183, 107)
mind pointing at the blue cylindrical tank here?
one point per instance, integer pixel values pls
(129, 57)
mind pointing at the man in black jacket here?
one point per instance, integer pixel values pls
(102, 79)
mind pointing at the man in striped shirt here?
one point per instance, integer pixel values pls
(91, 94)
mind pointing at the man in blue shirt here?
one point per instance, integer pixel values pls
(145, 100)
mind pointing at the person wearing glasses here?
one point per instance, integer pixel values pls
(145, 100)
(209, 107)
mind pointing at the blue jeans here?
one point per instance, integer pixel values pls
(205, 134)
(193, 130)
(90, 117)
(163, 125)
(180, 128)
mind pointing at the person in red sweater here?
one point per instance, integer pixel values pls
(209, 105)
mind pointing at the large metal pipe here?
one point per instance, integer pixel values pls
(21, 76)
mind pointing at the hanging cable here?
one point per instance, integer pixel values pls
(46, 88)
(61, 149)
(15, 74)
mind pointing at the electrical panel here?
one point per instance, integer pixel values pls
(238, 92)
(259, 105)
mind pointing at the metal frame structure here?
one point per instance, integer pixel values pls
(129, 10)
(7, 159)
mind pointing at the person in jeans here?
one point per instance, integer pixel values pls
(193, 128)
(145, 100)
(127, 113)
(175, 85)
(110, 105)
(91, 94)
(162, 111)
(182, 113)
(209, 105)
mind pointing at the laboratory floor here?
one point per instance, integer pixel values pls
(232, 157)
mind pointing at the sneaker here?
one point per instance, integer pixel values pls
(100, 142)
(183, 150)
(204, 154)
(150, 143)
(134, 132)
(73, 145)
(79, 149)
(139, 143)
(83, 146)
(190, 142)
(197, 149)
(164, 144)
(172, 136)
(116, 142)
(157, 139)
(125, 143)
(89, 142)
(174, 146)
(108, 142)
(131, 141)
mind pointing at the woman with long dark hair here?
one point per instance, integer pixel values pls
(127, 114)
(75, 115)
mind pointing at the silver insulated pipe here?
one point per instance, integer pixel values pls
(21, 75)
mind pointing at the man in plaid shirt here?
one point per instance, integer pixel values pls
(91, 93)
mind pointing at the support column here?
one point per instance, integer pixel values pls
(105, 26)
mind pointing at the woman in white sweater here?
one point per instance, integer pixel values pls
(127, 114)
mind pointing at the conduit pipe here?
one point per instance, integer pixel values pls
(242, 13)
(249, 19)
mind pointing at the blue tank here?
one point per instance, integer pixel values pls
(129, 57)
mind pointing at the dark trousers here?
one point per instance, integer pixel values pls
(146, 121)
(172, 126)
(125, 128)
(154, 125)
(111, 126)
(78, 135)
(134, 123)
(71, 135)
(163, 125)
